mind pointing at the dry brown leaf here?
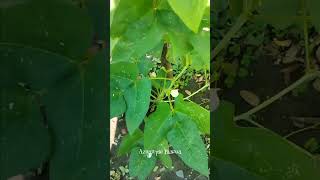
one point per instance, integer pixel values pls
(187, 92)
(282, 43)
(250, 97)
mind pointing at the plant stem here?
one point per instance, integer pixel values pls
(171, 106)
(242, 19)
(305, 78)
(173, 81)
(196, 92)
(160, 78)
(301, 130)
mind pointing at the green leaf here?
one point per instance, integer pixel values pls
(185, 137)
(77, 116)
(56, 26)
(123, 74)
(198, 114)
(190, 12)
(224, 170)
(97, 10)
(235, 7)
(201, 52)
(157, 126)
(117, 102)
(165, 157)
(141, 36)
(273, 12)
(127, 13)
(314, 12)
(137, 97)
(139, 165)
(177, 32)
(129, 142)
(220, 5)
(258, 150)
(24, 139)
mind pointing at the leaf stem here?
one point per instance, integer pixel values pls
(242, 19)
(174, 80)
(161, 78)
(196, 92)
(306, 78)
(302, 130)
(171, 106)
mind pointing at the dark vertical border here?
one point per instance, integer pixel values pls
(108, 83)
(211, 166)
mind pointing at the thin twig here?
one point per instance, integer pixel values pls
(301, 130)
(305, 78)
(196, 92)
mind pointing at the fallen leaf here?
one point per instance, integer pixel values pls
(187, 92)
(250, 97)
(282, 43)
(291, 54)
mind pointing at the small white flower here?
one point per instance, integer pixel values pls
(174, 92)
(152, 74)
(206, 29)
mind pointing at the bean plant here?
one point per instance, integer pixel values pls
(148, 39)
(258, 153)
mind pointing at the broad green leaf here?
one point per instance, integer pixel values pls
(140, 165)
(157, 126)
(139, 38)
(145, 65)
(137, 97)
(260, 151)
(177, 32)
(129, 142)
(127, 13)
(274, 13)
(56, 26)
(190, 11)
(235, 7)
(98, 12)
(185, 137)
(220, 5)
(165, 157)
(117, 102)
(24, 139)
(224, 170)
(198, 114)
(201, 52)
(313, 6)
(78, 116)
(123, 74)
